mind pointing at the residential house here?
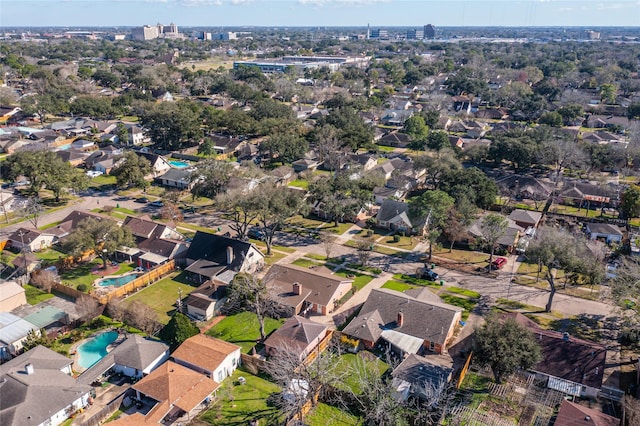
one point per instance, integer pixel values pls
(604, 231)
(73, 157)
(607, 121)
(462, 103)
(408, 324)
(176, 178)
(38, 389)
(102, 161)
(395, 139)
(394, 216)
(143, 228)
(207, 355)
(205, 301)
(569, 365)
(381, 193)
(364, 161)
(283, 175)
(134, 357)
(352, 210)
(305, 164)
(225, 146)
(298, 336)
(492, 114)
(456, 141)
(473, 129)
(30, 239)
(602, 138)
(525, 187)
(634, 243)
(303, 290)
(12, 295)
(176, 392)
(159, 165)
(304, 111)
(218, 258)
(49, 318)
(157, 251)
(468, 143)
(525, 218)
(507, 242)
(587, 195)
(422, 376)
(135, 135)
(573, 414)
(395, 117)
(13, 333)
(71, 222)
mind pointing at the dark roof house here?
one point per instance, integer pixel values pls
(297, 335)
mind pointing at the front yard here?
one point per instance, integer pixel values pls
(162, 295)
(238, 404)
(243, 329)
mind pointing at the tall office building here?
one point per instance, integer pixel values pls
(379, 34)
(429, 31)
(415, 34)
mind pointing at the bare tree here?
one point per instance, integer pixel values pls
(45, 279)
(304, 381)
(250, 292)
(493, 227)
(170, 211)
(364, 252)
(87, 307)
(141, 316)
(32, 210)
(329, 241)
(117, 309)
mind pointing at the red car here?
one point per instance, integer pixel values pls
(498, 263)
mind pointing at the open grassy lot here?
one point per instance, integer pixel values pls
(162, 295)
(462, 256)
(243, 329)
(397, 286)
(300, 183)
(350, 364)
(407, 243)
(328, 415)
(239, 404)
(35, 295)
(102, 181)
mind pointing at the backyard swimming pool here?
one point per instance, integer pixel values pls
(95, 349)
(179, 164)
(117, 281)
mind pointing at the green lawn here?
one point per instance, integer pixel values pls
(463, 291)
(51, 255)
(466, 304)
(359, 281)
(305, 263)
(238, 404)
(103, 180)
(300, 183)
(162, 295)
(414, 281)
(328, 415)
(243, 329)
(350, 364)
(462, 256)
(35, 295)
(397, 286)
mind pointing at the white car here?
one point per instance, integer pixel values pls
(93, 173)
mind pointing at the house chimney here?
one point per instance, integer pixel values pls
(229, 255)
(400, 319)
(28, 369)
(297, 288)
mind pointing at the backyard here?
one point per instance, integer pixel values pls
(162, 295)
(328, 415)
(243, 329)
(35, 295)
(238, 404)
(349, 364)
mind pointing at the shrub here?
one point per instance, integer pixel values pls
(82, 287)
(396, 238)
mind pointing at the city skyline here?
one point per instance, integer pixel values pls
(377, 13)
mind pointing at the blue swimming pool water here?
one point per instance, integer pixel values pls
(117, 281)
(179, 164)
(95, 349)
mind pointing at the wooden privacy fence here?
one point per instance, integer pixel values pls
(106, 411)
(319, 349)
(142, 281)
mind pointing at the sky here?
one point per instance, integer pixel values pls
(283, 13)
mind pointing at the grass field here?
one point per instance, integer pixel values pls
(162, 295)
(300, 183)
(397, 286)
(239, 404)
(359, 281)
(243, 329)
(328, 415)
(350, 364)
(35, 295)
(306, 263)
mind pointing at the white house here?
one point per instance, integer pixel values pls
(610, 233)
(212, 357)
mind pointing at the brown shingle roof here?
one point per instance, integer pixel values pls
(425, 320)
(177, 385)
(204, 351)
(295, 334)
(564, 356)
(572, 414)
(322, 285)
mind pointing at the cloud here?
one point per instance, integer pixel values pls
(341, 2)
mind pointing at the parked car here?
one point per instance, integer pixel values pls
(156, 203)
(142, 200)
(93, 173)
(256, 234)
(498, 263)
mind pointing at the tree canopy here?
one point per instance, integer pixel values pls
(102, 236)
(178, 329)
(131, 171)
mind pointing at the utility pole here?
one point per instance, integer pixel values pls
(179, 304)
